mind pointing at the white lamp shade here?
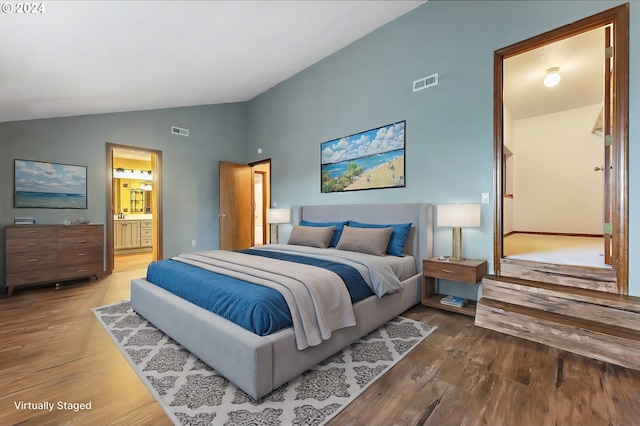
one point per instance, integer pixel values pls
(278, 215)
(458, 215)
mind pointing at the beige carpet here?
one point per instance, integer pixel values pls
(584, 251)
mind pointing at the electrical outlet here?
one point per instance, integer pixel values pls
(485, 198)
(193, 243)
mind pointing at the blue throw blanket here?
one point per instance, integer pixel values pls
(259, 309)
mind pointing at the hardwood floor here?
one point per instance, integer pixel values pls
(129, 262)
(53, 349)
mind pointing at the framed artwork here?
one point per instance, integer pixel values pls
(38, 184)
(367, 160)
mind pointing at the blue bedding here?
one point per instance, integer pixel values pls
(261, 310)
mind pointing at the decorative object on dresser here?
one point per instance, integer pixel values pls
(41, 254)
(24, 221)
(458, 216)
(468, 271)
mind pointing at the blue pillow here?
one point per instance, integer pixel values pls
(398, 239)
(336, 234)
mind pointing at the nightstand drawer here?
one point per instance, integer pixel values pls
(467, 271)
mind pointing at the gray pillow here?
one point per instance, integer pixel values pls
(365, 240)
(311, 236)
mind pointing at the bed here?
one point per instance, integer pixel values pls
(259, 364)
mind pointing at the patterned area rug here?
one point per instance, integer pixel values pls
(192, 393)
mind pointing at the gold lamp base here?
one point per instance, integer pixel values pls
(456, 244)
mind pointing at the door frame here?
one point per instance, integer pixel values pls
(619, 17)
(263, 206)
(266, 163)
(156, 167)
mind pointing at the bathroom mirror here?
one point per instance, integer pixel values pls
(132, 196)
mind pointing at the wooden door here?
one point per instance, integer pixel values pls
(236, 201)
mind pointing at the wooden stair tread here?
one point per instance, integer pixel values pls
(614, 300)
(621, 332)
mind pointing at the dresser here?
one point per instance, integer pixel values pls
(40, 254)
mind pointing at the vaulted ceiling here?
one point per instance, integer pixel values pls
(86, 57)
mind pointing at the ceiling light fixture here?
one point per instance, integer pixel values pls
(553, 77)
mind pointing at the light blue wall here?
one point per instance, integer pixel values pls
(190, 165)
(449, 152)
(367, 84)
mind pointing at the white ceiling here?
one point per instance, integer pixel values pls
(87, 57)
(581, 62)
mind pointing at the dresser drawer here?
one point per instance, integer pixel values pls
(80, 256)
(31, 261)
(30, 232)
(31, 277)
(145, 224)
(79, 242)
(146, 242)
(80, 231)
(145, 232)
(31, 244)
(79, 271)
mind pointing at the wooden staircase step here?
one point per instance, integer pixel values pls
(595, 306)
(609, 343)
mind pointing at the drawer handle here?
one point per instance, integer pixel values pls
(82, 254)
(82, 230)
(82, 241)
(81, 270)
(31, 232)
(32, 260)
(32, 277)
(447, 271)
(32, 244)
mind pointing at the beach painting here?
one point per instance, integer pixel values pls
(367, 160)
(40, 184)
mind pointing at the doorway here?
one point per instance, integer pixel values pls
(245, 195)
(261, 173)
(134, 207)
(569, 182)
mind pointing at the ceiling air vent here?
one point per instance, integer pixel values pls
(424, 82)
(179, 131)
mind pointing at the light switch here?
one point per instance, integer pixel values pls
(485, 198)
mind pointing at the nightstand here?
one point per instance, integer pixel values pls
(468, 271)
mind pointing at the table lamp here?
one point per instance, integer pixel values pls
(458, 216)
(277, 216)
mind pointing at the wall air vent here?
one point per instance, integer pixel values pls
(179, 131)
(424, 82)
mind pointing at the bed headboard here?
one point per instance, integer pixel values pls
(420, 242)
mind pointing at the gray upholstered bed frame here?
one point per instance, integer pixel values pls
(259, 364)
